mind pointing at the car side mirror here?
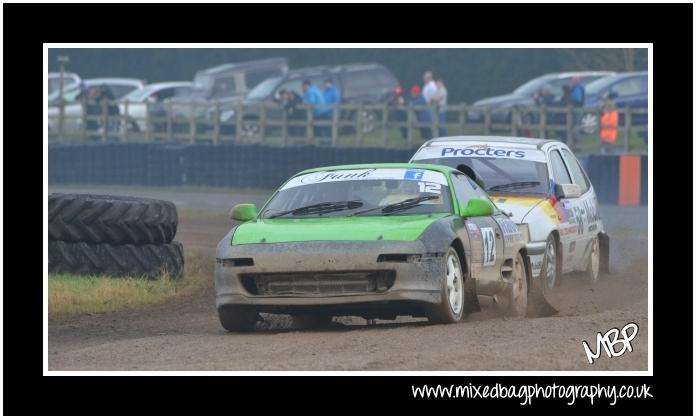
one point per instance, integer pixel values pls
(243, 212)
(566, 190)
(476, 207)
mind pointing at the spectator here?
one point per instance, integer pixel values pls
(441, 101)
(290, 100)
(609, 123)
(332, 96)
(396, 100)
(423, 116)
(107, 100)
(429, 93)
(92, 110)
(429, 88)
(577, 101)
(313, 97)
(577, 92)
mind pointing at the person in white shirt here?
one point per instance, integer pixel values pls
(429, 88)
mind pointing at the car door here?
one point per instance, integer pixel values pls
(570, 225)
(485, 236)
(587, 212)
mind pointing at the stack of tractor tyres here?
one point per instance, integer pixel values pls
(113, 236)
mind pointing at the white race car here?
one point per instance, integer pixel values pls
(543, 188)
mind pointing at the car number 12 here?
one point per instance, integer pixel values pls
(429, 187)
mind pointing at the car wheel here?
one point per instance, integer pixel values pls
(237, 319)
(451, 306)
(592, 271)
(519, 289)
(550, 274)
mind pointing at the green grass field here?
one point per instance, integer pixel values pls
(70, 295)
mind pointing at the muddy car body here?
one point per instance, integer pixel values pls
(376, 241)
(544, 189)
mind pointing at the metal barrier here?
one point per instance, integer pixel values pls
(347, 125)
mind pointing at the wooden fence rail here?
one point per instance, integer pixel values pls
(345, 125)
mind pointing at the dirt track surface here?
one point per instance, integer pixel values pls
(184, 334)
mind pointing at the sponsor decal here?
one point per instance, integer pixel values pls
(427, 176)
(473, 229)
(568, 230)
(511, 233)
(482, 151)
(488, 246)
(333, 176)
(488, 151)
(413, 174)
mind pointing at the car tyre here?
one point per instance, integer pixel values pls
(518, 291)
(237, 319)
(450, 309)
(592, 270)
(550, 272)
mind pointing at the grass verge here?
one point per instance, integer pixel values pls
(70, 295)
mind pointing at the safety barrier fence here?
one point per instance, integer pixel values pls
(617, 179)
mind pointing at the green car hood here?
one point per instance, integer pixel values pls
(402, 228)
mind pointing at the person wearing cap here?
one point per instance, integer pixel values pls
(423, 116)
(396, 100)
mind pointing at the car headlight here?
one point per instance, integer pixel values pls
(524, 229)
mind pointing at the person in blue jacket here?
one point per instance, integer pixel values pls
(313, 96)
(332, 96)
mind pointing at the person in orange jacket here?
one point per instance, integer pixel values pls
(609, 122)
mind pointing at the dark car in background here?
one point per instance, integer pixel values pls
(550, 84)
(628, 90)
(226, 83)
(369, 83)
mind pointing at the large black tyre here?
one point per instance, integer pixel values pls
(237, 319)
(128, 260)
(110, 219)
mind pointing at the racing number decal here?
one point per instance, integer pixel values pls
(430, 187)
(488, 246)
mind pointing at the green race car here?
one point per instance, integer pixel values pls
(370, 240)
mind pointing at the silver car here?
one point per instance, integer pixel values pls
(74, 111)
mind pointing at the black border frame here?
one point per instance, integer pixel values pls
(27, 26)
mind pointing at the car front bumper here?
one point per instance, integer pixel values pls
(416, 278)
